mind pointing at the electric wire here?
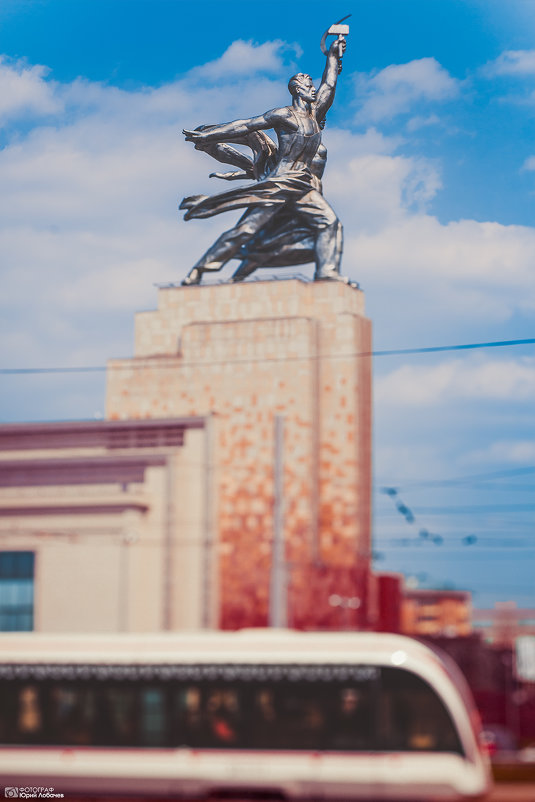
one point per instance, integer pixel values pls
(165, 362)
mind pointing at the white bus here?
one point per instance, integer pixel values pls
(260, 713)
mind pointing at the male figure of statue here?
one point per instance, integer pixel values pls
(288, 180)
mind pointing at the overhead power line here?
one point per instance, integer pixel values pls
(469, 509)
(460, 480)
(154, 363)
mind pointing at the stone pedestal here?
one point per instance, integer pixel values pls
(244, 353)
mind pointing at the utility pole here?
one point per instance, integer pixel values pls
(278, 602)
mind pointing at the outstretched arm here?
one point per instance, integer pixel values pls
(231, 131)
(327, 87)
(225, 153)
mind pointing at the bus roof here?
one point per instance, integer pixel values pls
(250, 645)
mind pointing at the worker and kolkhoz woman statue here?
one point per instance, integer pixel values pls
(287, 221)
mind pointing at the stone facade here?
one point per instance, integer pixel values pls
(114, 514)
(240, 355)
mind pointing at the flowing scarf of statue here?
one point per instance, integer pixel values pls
(287, 221)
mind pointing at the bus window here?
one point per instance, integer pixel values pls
(298, 715)
(27, 722)
(265, 723)
(116, 715)
(222, 716)
(105, 714)
(412, 717)
(153, 719)
(352, 725)
(208, 715)
(187, 717)
(8, 711)
(70, 717)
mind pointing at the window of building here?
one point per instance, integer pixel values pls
(16, 591)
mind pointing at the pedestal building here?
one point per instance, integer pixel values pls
(238, 355)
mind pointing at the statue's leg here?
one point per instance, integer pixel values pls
(245, 269)
(229, 243)
(329, 245)
(267, 243)
(328, 234)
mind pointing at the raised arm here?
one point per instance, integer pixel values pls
(276, 118)
(327, 88)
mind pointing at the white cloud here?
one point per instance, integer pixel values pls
(529, 163)
(504, 451)
(244, 58)
(419, 122)
(24, 91)
(397, 88)
(376, 187)
(461, 274)
(470, 258)
(512, 62)
(404, 459)
(424, 385)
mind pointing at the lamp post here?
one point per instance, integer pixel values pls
(278, 595)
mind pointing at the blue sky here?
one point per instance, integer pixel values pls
(431, 169)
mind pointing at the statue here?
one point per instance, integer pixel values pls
(287, 220)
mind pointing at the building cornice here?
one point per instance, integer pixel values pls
(112, 434)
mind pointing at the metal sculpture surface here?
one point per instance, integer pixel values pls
(287, 220)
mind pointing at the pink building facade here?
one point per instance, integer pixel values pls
(238, 356)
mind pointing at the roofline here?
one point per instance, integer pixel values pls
(75, 426)
(428, 593)
(110, 434)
